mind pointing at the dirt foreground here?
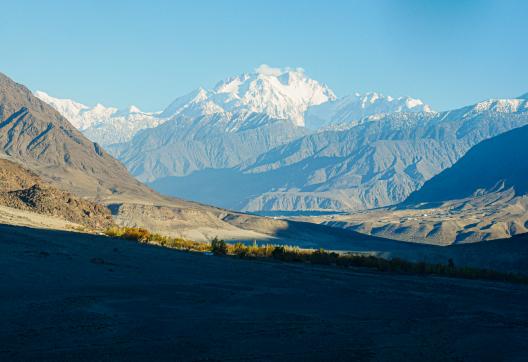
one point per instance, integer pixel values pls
(71, 296)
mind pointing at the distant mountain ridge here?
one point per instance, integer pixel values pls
(240, 119)
(295, 146)
(483, 196)
(354, 108)
(184, 145)
(496, 164)
(279, 93)
(378, 162)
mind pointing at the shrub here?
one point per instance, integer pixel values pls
(289, 254)
(278, 253)
(240, 250)
(114, 232)
(144, 236)
(138, 234)
(322, 257)
(218, 247)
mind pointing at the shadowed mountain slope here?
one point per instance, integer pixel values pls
(495, 164)
(482, 196)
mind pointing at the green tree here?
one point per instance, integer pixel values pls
(218, 247)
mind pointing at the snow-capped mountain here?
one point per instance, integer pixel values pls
(350, 110)
(79, 115)
(104, 125)
(279, 93)
(515, 105)
(195, 104)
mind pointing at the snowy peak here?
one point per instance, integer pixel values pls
(193, 104)
(279, 93)
(66, 107)
(134, 109)
(80, 115)
(288, 94)
(500, 106)
(350, 109)
(105, 125)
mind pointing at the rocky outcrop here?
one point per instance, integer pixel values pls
(23, 190)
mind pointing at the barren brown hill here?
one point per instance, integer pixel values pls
(13, 177)
(23, 190)
(34, 134)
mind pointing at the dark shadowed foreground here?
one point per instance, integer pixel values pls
(68, 296)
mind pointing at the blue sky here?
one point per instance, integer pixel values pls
(449, 53)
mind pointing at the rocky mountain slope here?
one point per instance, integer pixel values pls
(483, 196)
(36, 135)
(184, 145)
(24, 190)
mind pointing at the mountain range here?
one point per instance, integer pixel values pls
(285, 94)
(376, 162)
(242, 120)
(291, 146)
(54, 177)
(501, 163)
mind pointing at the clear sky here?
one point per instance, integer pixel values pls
(448, 53)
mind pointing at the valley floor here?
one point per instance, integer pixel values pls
(72, 296)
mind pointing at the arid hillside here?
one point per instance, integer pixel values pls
(24, 190)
